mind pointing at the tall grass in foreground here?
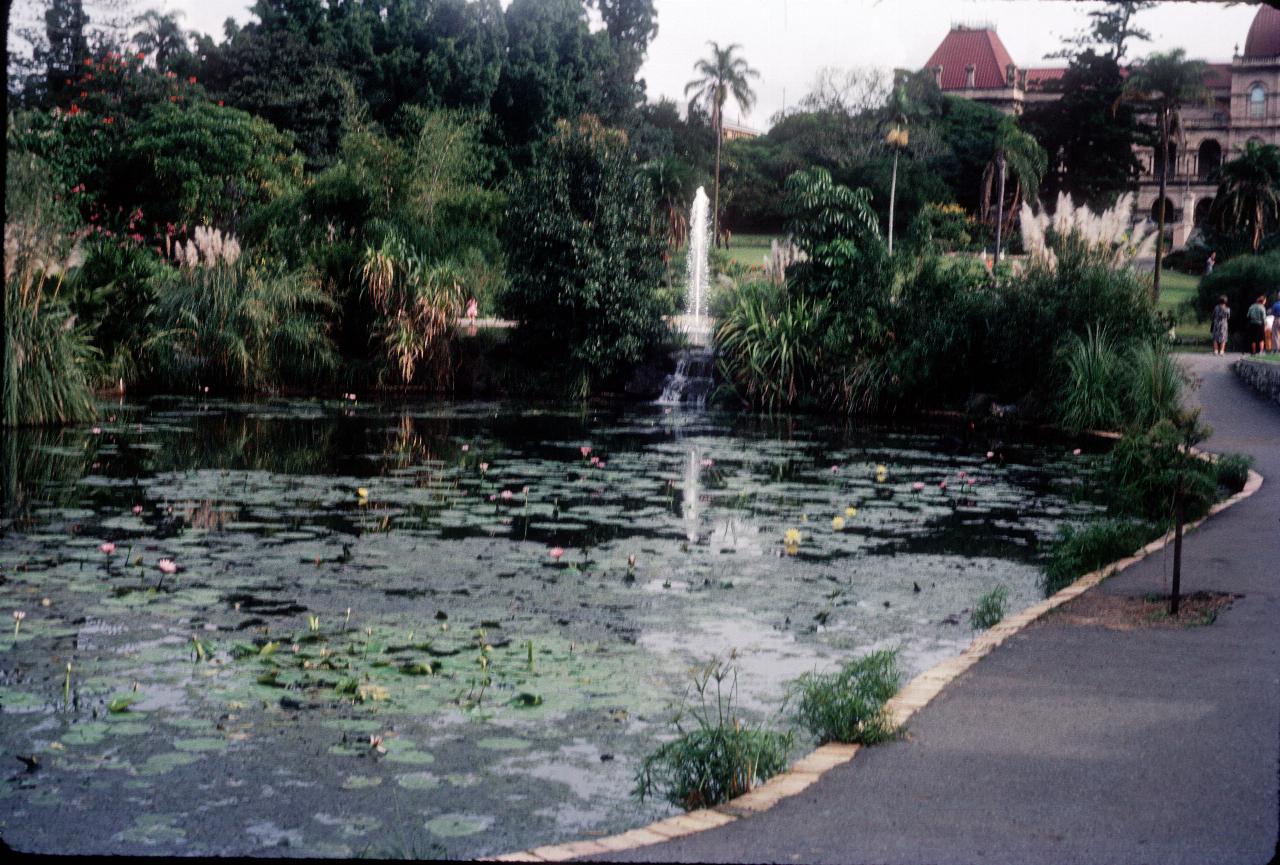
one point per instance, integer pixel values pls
(849, 705)
(990, 609)
(47, 358)
(770, 345)
(1090, 396)
(720, 757)
(1081, 549)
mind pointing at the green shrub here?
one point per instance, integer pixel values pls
(1153, 385)
(990, 609)
(584, 257)
(720, 757)
(770, 345)
(111, 295)
(1144, 471)
(849, 705)
(1241, 279)
(1090, 397)
(1232, 471)
(1081, 549)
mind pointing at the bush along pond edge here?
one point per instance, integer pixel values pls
(913, 697)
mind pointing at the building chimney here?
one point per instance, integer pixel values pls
(1010, 74)
(1022, 79)
(937, 76)
(970, 73)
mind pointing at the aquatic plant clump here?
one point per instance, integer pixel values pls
(990, 609)
(721, 757)
(849, 705)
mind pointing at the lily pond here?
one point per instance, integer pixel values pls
(454, 629)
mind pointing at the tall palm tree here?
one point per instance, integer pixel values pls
(1161, 85)
(161, 36)
(723, 74)
(898, 137)
(1249, 190)
(1017, 153)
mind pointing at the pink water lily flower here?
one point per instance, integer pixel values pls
(990, 454)
(961, 475)
(1076, 452)
(708, 463)
(137, 509)
(466, 448)
(917, 486)
(108, 548)
(942, 485)
(167, 566)
(835, 469)
(484, 467)
(556, 553)
(970, 481)
(96, 430)
(585, 450)
(506, 495)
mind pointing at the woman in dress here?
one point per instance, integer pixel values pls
(1221, 315)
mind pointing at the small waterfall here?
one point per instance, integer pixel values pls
(693, 379)
(695, 367)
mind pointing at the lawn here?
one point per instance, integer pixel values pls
(749, 249)
(1177, 292)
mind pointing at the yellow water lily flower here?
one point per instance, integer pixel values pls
(851, 512)
(837, 523)
(362, 493)
(792, 538)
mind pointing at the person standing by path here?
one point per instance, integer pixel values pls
(1257, 322)
(1221, 318)
(1275, 325)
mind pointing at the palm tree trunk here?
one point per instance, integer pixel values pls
(1258, 216)
(715, 201)
(999, 213)
(1164, 174)
(893, 194)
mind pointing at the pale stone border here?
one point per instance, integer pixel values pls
(913, 697)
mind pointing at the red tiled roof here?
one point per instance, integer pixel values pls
(1264, 34)
(964, 46)
(1038, 78)
(1218, 77)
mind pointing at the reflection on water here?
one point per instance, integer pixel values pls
(507, 597)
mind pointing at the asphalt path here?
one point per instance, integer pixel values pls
(1073, 743)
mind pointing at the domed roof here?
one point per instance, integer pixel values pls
(1264, 34)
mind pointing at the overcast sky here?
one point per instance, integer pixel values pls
(787, 41)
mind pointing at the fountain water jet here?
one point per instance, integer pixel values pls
(692, 379)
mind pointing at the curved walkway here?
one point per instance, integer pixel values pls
(1073, 743)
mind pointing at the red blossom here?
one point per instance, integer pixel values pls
(191, 80)
(88, 61)
(141, 56)
(173, 99)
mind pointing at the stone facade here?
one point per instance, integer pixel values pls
(1244, 105)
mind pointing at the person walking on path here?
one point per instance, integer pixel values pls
(1221, 318)
(1257, 322)
(1210, 262)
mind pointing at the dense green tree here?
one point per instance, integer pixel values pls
(723, 75)
(66, 48)
(630, 25)
(206, 164)
(1088, 133)
(1248, 199)
(1161, 85)
(554, 70)
(1111, 28)
(584, 257)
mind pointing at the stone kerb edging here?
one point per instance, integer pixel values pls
(913, 697)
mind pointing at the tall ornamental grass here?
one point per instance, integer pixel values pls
(48, 359)
(226, 322)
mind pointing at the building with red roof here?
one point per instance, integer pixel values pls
(1243, 106)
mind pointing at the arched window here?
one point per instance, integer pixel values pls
(1257, 101)
(1210, 157)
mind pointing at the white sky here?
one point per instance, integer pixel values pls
(787, 41)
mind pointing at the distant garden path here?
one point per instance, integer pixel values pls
(1077, 743)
